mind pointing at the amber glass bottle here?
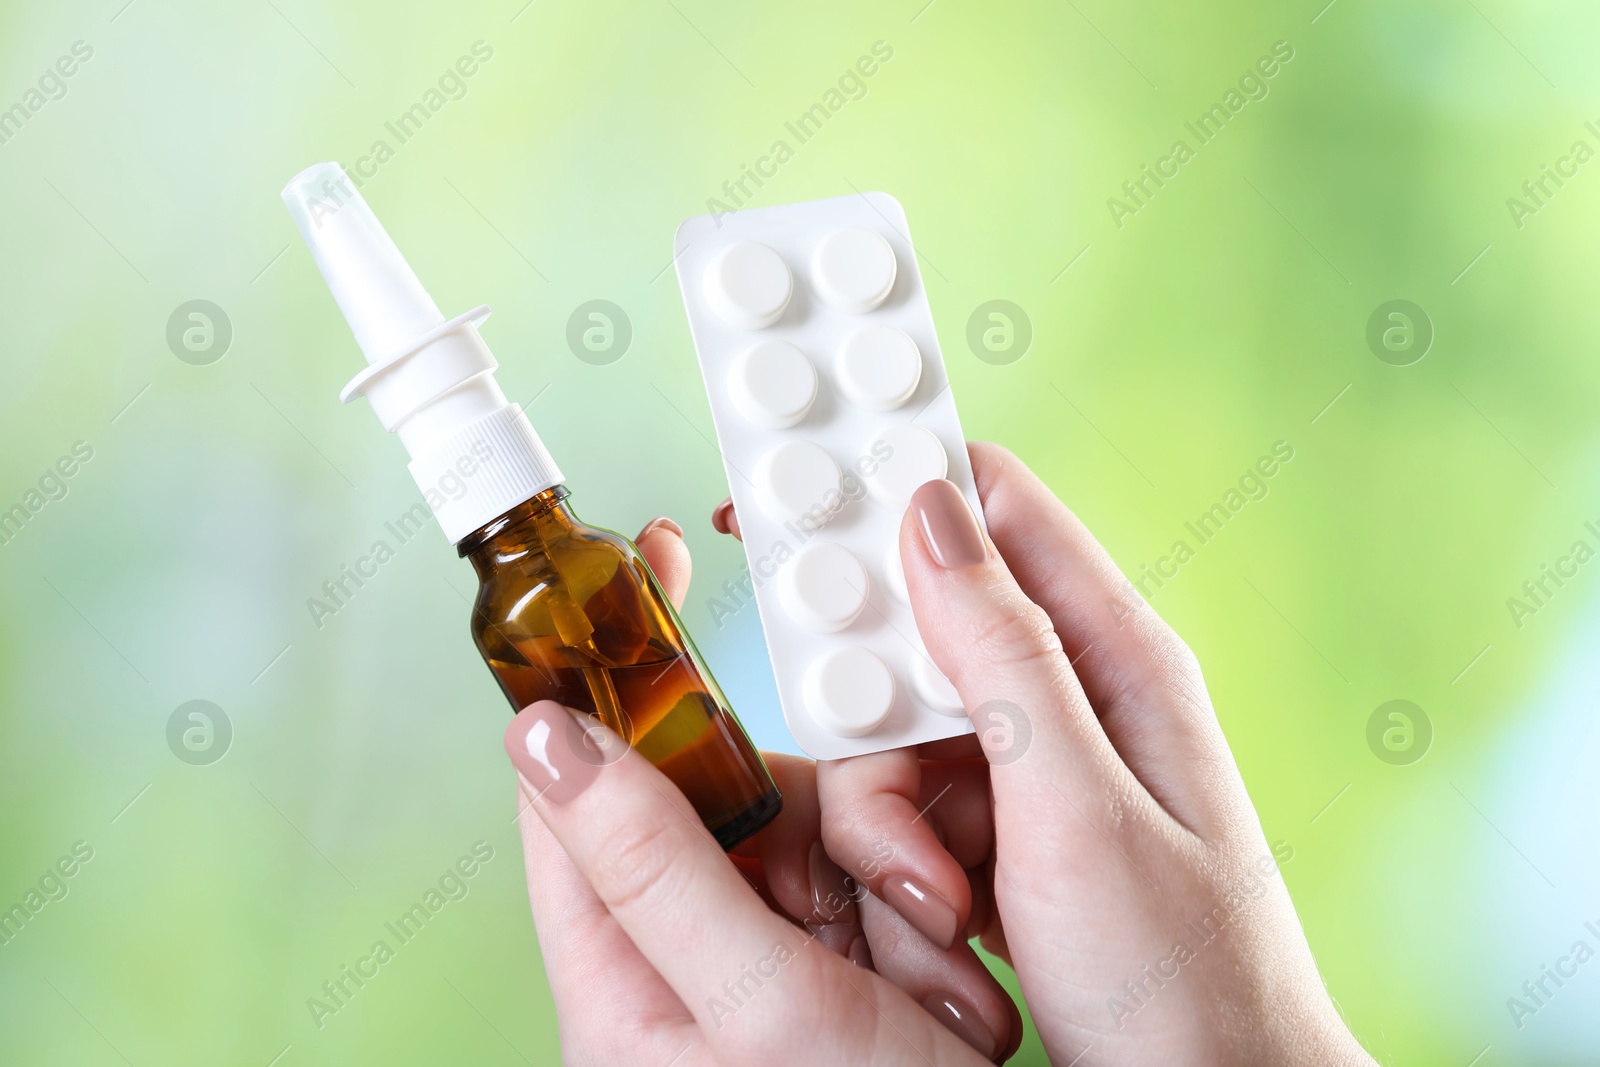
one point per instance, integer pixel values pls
(564, 611)
(571, 613)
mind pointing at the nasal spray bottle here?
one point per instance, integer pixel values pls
(565, 611)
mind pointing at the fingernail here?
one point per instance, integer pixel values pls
(725, 520)
(978, 916)
(662, 523)
(948, 526)
(859, 953)
(961, 1019)
(544, 743)
(922, 908)
(837, 937)
(830, 895)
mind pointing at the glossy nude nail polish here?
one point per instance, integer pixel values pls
(551, 750)
(963, 1020)
(947, 525)
(922, 908)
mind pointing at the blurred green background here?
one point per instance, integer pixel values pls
(1168, 353)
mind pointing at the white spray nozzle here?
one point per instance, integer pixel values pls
(428, 379)
(381, 298)
(414, 357)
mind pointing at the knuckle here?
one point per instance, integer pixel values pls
(1169, 666)
(1184, 663)
(1177, 666)
(1162, 645)
(992, 469)
(642, 862)
(1014, 631)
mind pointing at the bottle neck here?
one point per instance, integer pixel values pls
(526, 527)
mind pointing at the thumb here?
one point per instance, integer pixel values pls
(689, 912)
(1001, 652)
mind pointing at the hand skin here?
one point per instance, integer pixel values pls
(650, 935)
(1102, 824)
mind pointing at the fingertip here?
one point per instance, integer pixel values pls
(516, 731)
(948, 526)
(877, 827)
(662, 523)
(833, 893)
(963, 1020)
(860, 953)
(953, 985)
(665, 551)
(725, 520)
(553, 752)
(1017, 1031)
(924, 908)
(837, 938)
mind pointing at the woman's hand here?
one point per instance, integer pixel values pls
(659, 950)
(1122, 869)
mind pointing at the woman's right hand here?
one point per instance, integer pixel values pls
(1122, 869)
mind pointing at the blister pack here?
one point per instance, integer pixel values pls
(831, 407)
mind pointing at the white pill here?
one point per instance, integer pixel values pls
(848, 691)
(878, 367)
(772, 384)
(933, 687)
(824, 587)
(894, 571)
(853, 269)
(915, 457)
(798, 481)
(748, 285)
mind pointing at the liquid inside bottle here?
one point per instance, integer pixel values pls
(571, 613)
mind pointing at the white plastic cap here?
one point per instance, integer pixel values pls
(430, 380)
